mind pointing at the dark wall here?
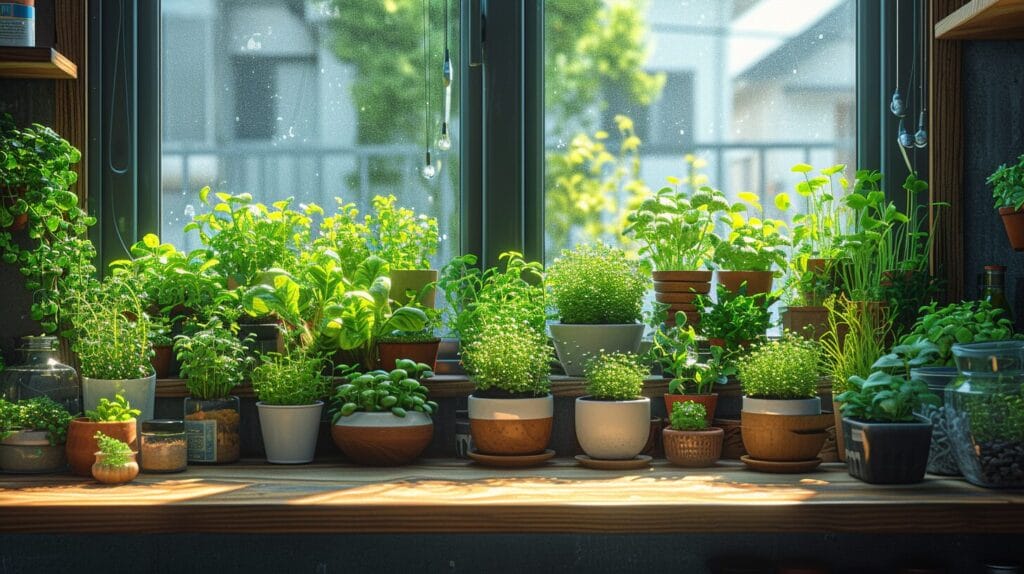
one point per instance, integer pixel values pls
(993, 77)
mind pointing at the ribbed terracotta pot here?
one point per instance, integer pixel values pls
(808, 322)
(710, 402)
(679, 289)
(382, 439)
(425, 353)
(693, 449)
(81, 447)
(509, 427)
(403, 280)
(784, 438)
(1013, 221)
(758, 282)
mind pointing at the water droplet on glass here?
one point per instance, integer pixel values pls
(190, 210)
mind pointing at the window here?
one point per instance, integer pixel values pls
(748, 87)
(304, 99)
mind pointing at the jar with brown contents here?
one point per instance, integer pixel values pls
(163, 447)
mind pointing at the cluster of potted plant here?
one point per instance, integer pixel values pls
(32, 435)
(113, 418)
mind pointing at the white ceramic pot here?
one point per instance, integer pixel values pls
(290, 431)
(31, 452)
(613, 430)
(511, 426)
(799, 407)
(140, 393)
(577, 344)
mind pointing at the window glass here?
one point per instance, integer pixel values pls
(747, 87)
(306, 99)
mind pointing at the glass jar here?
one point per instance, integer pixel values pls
(211, 426)
(941, 459)
(42, 374)
(162, 446)
(985, 413)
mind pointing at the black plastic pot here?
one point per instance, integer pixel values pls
(887, 453)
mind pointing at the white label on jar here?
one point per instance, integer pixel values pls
(17, 25)
(202, 440)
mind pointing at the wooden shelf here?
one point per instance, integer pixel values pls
(36, 63)
(447, 495)
(984, 20)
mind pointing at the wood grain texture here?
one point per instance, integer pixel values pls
(983, 20)
(458, 496)
(36, 63)
(946, 156)
(71, 104)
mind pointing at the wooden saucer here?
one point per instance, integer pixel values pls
(780, 467)
(639, 461)
(511, 461)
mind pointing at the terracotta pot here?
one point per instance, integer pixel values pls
(682, 281)
(784, 438)
(1013, 221)
(809, 322)
(837, 416)
(613, 430)
(114, 474)
(425, 353)
(382, 439)
(161, 361)
(511, 426)
(81, 447)
(10, 196)
(403, 280)
(693, 449)
(758, 282)
(710, 402)
(815, 265)
(676, 298)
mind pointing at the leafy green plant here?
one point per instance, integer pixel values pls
(867, 246)
(854, 340)
(734, 318)
(700, 378)
(889, 394)
(508, 357)
(1007, 183)
(111, 331)
(784, 369)
(289, 379)
(615, 377)
(53, 252)
(688, 416)
(398, 392)
(964, 322)
(213, 360)
(36, 414)
(112, 411)
(817, 230)
(676, 229)
(596, 284)
(753, 243)
(401, 237)
(115, 452)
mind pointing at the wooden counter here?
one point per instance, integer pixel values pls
(459, 496)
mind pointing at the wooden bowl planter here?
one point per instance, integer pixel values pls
(693, 449)
(140, 393)
(1013, 221)
(679, 289)
(709, 401)
(613, 430)
(425, 353)
(290, 431)
(784, 438)
(512, 426)
(31, 452)
(114, 474)
(577, 344)
(403, 280)
(887, 453)
(758, 282)
(383, 439)
(81, 447)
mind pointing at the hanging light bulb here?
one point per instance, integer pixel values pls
(428, 171)
(906, 140)
(921, 136)
(444, 143)
(896, 106)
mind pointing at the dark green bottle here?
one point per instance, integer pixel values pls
(993, 288)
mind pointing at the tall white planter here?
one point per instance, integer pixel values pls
(290, 431)
(140, 393)
(613, 430)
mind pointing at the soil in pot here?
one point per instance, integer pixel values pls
(710, 402)
(510, 426)
(382, 439)
(1013, 221)
(81, 447)
(693, 449)
(887, 453)
(424, 352)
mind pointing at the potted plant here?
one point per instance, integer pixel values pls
(734, 320)
(419, 346)
(112, 340)
(613, 420)
(163, 351)
(676, 231)
(1007, 183)
(406, 241)
(115, 461)
(886, 443)
(599, 294)
(383, 418)
(688, 441)
(289, 388)
(781, 418)
(674, 349)
(754, 246)
(114, 418)
(32, 435)
(214, 362)
(817, 231)
(804, 312)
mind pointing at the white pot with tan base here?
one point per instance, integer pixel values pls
(612, 430)
(511, 426)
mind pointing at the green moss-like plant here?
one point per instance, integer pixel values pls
(783, 369)
(115, 452)
(688, 416)
(509, 357)
(596, 285)
(615, 377)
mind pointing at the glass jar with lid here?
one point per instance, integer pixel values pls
(42, 374)
(985, 413)
(163, 446)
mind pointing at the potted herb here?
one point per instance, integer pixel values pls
(163, 350)
(32, 435)
(817, 231)
(419, 346)
(214, 362)
(886, 443)
(406, 241)
(289, 388)
(112, 340)
(781, 418)
(613, 420)
(599, 294)
(676, 231)
(754, 246)
(115, 461)
(734, 320)
(1007, 183)
(674, 349)
(383, 418)
(114, 418)
(804, 312)
(688, 440)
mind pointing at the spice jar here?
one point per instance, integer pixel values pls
(163, 446)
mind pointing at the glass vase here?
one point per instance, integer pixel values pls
(42, 374)
(211, 426)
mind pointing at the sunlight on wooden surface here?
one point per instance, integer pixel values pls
(133, 494)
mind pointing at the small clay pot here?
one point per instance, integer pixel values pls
(710, 402)
(114, 474)
(693, 449)
(425, 353)
(81, 447)
(1013, 221)
(808, 322)
(757, 282)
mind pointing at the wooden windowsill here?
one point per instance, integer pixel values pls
(459, 496)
